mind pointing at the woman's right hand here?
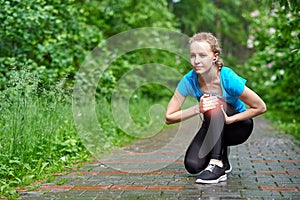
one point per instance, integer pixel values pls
(208, 102)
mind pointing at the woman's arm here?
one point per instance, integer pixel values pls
(174, 113)
(256, 104)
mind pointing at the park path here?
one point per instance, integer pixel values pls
(267, 166)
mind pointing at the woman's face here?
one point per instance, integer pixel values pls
(201, 57)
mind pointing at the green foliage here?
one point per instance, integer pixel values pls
(50, 37)
(274, 66)
(36, 132)
(194, 20)
(116, 16)
(223, 18)
(42, 46)
(285, 122)
(137, 59)
(273, 70)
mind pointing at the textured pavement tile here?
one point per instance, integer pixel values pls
(254, 194)
(290, 195)
(142, 195)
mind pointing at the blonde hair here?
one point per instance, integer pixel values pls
(212, 41)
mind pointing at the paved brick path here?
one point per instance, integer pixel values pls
(267, 166)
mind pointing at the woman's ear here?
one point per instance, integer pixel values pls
(217, 56)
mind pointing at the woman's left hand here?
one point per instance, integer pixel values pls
(228, 119)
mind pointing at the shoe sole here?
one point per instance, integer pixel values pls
(222, 178)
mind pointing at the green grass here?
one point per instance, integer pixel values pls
(285, 122)
(37, 133)
(39, 136)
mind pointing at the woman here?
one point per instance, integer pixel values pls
(222, 97)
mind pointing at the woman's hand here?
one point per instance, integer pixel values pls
(207, 103)
(228, 119)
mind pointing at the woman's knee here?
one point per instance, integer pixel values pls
(215, 115)
(238, 133)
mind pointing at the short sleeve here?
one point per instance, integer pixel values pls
(235, 83)
(189, 86)
(183, 87)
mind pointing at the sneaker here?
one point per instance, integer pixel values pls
(212, 174)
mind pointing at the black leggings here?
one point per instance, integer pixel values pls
(219, 136)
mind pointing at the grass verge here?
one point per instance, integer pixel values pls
(39, 136)
(287, 123)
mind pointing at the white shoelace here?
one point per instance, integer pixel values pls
(210, 167)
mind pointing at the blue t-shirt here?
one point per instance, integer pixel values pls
(232, 87)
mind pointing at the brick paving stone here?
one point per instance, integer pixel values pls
(141, 195)
(267, 166)
(290, 195)
(253, 194)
